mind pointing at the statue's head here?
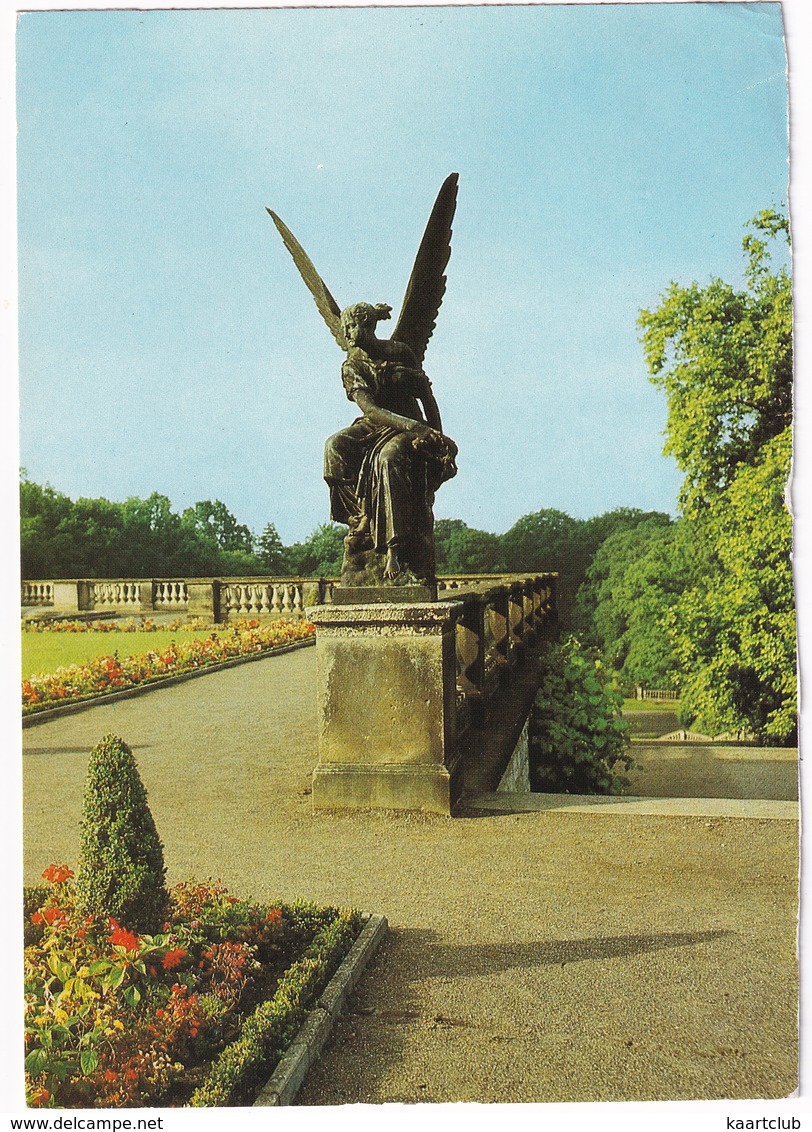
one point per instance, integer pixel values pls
(358, 321)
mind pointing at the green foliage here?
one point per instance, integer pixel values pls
(733, 630)
(121, 863)
(551, 540)
(724, 359)
(320, 555)
(637, 575)
(270, 551)
(213, 523)
(577, 736)
(140, 538)
(461, 549)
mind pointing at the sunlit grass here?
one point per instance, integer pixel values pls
(45, 652)
(630, 705)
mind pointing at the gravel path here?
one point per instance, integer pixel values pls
(543, 956)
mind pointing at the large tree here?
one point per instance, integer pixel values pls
(637, 575)
(723, 356)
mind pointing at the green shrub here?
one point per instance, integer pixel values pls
(577, 736)
(121, 862)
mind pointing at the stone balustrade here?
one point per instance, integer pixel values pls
(214, 599)
(37, 595)
(513, 607)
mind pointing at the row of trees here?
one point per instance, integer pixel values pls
(146, 538)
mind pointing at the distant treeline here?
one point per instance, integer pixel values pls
(144, 538)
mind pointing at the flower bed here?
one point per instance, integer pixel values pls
(79, 682)
(195, 1015)
(130, 625)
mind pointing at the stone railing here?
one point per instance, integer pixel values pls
(495, 628)
(660, 695)
(220, 599)
(216, 599)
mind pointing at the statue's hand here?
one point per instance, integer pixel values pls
(426, 439)
(439, 448)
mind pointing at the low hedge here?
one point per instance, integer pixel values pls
(245, 1065)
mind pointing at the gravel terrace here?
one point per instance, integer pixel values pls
(543, 956)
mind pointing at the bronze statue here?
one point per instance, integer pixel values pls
(384, 469)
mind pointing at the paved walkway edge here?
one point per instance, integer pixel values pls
(289, 1075)
(497, 802)
(153, 685)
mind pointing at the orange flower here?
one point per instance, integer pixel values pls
(110, 1075)
(120, 937)
(56, 874)
(40, 1096)
(48, 916)
(174, 958)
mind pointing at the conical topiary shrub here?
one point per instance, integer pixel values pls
(121, 860)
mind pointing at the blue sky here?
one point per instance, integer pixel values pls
(166, 340)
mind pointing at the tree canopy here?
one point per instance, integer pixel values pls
(724, 360)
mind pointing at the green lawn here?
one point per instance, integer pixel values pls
(651, 705)
(45, 652)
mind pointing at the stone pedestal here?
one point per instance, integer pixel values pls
(387, 701)
(67, 597)
(384, 595)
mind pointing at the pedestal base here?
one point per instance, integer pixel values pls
(388, 787)
(387, 703)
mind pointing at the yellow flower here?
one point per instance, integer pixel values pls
(84, 972)
(119, 1025)
(61, 1015)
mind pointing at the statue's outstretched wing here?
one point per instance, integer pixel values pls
(427, 282)
(328, 307)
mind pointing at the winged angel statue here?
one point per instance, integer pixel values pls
(383, 470)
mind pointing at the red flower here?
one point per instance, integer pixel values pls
(56, 874)
(120, 937)
(110, 1075)
(174, 958)
(48, 916)
(274, 917)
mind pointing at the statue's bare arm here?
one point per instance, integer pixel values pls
(430, 409)
(384, 418)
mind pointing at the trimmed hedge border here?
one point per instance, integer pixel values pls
(306, 1047)
(46, 713)
(273, 1034)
